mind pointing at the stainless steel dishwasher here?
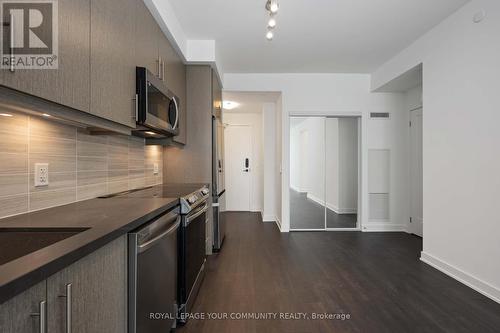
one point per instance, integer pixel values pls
(153, 251)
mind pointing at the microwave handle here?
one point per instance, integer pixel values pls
(176, 114)
(136, 107)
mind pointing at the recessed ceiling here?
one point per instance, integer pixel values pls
(313, 36)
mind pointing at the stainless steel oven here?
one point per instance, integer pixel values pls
(192, 249)
(157, 108)
(153, 262)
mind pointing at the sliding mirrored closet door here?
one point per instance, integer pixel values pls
(323, 173)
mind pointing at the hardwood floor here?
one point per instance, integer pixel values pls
(376, 278)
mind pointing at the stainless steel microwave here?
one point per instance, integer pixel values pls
(157, 109)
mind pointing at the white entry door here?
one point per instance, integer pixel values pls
(238, 154)
(416, 173)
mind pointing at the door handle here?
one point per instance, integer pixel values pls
(246, 170)
(68, 296)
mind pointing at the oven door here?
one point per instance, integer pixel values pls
(193, 255)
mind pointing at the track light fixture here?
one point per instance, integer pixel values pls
(272, 8)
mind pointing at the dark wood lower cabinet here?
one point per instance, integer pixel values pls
(98, 289)
(95, 287)
(17, 314)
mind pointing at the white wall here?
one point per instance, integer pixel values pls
(269, 162)
(413, 98)
(340, 94)
(256, 164)
(279, 162)
(348, 165)
(460, 143)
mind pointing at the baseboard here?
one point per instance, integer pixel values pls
(469, 280)
(278, 223)
(268, 218)
(315, 199)
(330, 206)
(383, 227)
(341, 210)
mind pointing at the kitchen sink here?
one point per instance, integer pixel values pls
(18, 242)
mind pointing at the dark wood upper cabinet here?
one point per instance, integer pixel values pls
(101, 42)
(216, 94)
(68, 84)
(147, 34)
(173, 73)
(112, 60)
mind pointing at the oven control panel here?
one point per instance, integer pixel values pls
(192, 199)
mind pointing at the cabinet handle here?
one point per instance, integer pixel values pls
(69, 311)
(163, 70)
(159, 67)
(42, 317)
(12, 69)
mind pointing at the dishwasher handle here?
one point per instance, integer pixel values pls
(143, 247)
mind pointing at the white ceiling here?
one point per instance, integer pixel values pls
(312, 36)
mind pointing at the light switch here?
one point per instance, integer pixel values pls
(41, 174)
(156, 169)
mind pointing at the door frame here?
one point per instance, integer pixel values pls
(250, 187)
(360, 117)
(411, 228)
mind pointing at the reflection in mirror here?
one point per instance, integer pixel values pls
(307, 173)
(341, 173)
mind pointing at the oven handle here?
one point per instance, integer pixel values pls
(148, 244)
(195, 214)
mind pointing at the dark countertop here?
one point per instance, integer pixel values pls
(106, 220)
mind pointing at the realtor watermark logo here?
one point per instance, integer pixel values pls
(29, 34)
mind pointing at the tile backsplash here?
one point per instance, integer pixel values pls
(81, 166)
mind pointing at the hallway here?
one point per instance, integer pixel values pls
(376, 278)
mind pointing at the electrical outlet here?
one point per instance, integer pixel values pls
(41, 174)
(156, 169)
